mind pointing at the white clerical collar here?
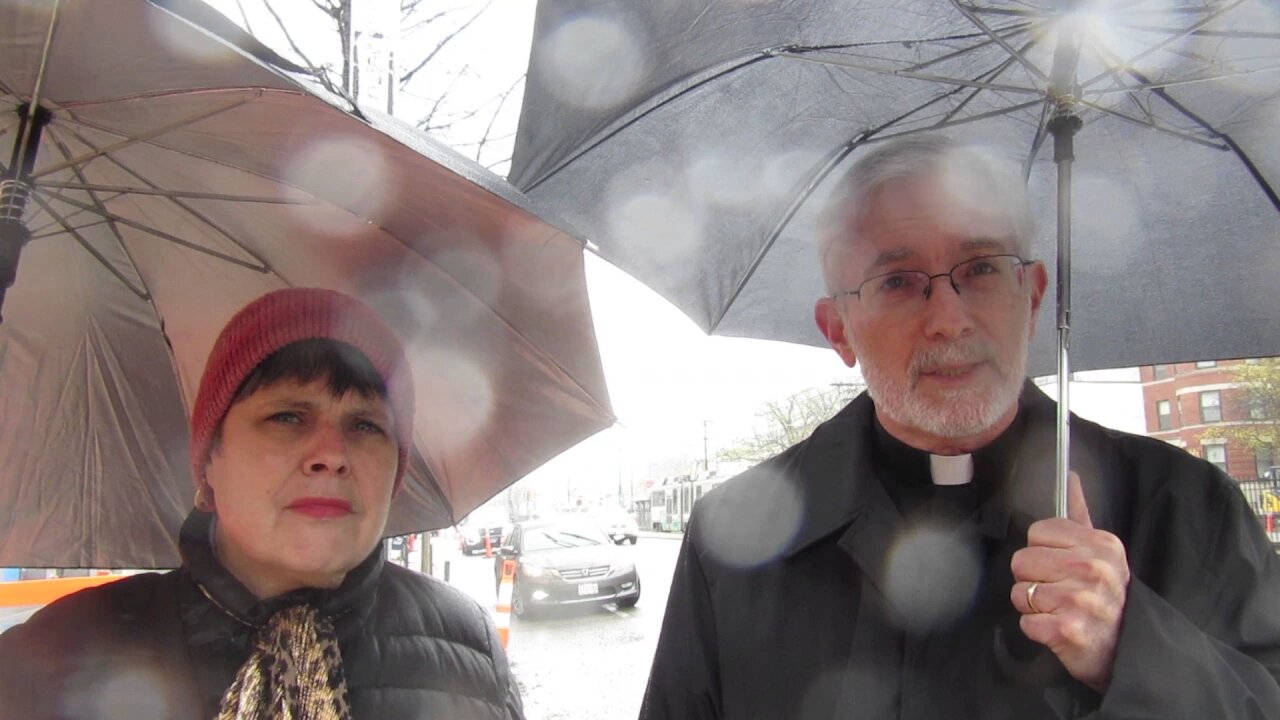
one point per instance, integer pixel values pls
(951, 469)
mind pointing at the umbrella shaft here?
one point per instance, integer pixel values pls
(34, 118)
(1064, 127)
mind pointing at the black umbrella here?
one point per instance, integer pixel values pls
(694, 143)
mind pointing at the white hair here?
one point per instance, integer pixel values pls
(913, 156)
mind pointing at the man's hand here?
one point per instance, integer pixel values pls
(1081, 578)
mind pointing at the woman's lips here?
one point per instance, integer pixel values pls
(321, 507)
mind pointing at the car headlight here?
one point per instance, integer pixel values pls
(623, 568)
(533, 570)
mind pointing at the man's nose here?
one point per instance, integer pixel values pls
(946, 314)
(328, 450)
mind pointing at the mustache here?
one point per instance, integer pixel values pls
(959, 352)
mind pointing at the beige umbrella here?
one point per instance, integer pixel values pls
(169, 178)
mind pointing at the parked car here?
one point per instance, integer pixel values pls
(476, 527)
(619, 525)
(566, 561)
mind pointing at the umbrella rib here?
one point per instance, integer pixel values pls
(637, 114)
(1037, 140)
(1111, 70)
(44, 232)
(1231, 34)
(62, 147)
(137, 175)
(1235, 148)
(980, 10)
(992, 73)
(808, 56)
(1012, 31)
(157, 233)
(1153, 125)
(1030, 66)
(120, 190)
(154, 132)
(1129, 89)
(962, 121)
(80, 239)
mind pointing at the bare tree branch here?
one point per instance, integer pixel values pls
(244, 16)
(443, 42)
(502, 99)
(320, 71)
(788, 421)
(418, 25)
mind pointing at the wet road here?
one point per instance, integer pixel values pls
(584, 663)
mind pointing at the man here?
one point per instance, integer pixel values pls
(903, 561)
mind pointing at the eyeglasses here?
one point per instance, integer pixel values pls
(977, 280)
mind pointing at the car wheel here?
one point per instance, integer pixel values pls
(632, 539)
(519, 607)
(631, 601)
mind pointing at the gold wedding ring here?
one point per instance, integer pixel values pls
(1031, 597)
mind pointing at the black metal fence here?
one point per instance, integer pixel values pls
(1264, 497)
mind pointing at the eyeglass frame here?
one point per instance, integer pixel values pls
(928, 287)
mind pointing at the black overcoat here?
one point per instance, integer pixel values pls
(801, 592)
(166, 646)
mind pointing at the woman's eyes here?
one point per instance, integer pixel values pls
(361, 425)
(370, 427)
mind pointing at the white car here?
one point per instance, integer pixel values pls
(618, 525)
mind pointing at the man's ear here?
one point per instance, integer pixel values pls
(826, 312)
(1039, 279)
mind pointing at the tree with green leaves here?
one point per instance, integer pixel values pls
(1258, 395)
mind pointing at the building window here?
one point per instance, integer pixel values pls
(1164, 416)
(1257, 409)
(1159, 372)
(1263, 459)
(1216, 454)
(1211, 406)
(1207, 363)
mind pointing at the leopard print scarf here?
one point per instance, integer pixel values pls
(293, 673)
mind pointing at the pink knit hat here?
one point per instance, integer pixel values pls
(286, 316)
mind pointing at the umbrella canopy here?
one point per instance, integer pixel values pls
(176, 178)
(695, 142)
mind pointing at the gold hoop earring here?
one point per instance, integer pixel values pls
(204, 497)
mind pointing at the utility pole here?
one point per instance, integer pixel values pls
(705, 466)
(374, 33)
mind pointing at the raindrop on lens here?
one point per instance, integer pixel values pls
(931, 577)
(339, 170)
(592, 62)
(755, 524)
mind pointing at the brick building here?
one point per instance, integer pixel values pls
(1182, 401)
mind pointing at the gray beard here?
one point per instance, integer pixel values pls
(960, 413)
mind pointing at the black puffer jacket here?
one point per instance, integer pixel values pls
(168, 645)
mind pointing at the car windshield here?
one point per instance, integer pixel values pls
(550, 537)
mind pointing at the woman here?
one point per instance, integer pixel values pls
(284, 606)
